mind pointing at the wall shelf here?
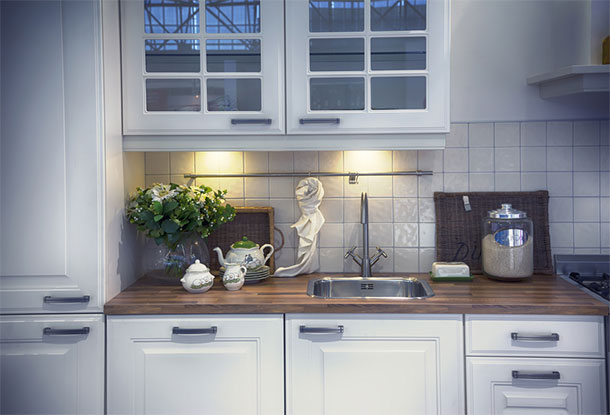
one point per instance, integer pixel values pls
(573, 79)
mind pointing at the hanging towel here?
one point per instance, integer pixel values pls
(309, 194)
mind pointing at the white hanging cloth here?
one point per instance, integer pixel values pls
(309, 194)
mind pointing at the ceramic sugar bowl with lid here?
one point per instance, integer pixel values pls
(198, 278)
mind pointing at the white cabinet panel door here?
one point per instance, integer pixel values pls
(496, 386)
(51, 169)
(377, 364)
(52, 364)
(159, 366)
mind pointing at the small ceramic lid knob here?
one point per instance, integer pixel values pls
(197, 267)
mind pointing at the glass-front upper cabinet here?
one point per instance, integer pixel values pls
(367, 66)
(203, 66)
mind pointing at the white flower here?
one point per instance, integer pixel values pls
(161, 192)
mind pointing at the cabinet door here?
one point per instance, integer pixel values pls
(374, 364)
(183, 365)
(51, 144)
(52, 365)
(498, 386)
(367, 66)
(203, 67)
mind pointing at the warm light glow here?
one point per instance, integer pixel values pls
(219, 162)
(367, 161)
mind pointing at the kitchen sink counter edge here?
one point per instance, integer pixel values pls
(541, 294)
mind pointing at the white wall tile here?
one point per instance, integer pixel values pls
(331, 235)
(426, 257)
(586, 235)
(380, 186)
(562, 251)
(604, 132)
(559, 184)
(586, 184)
(281, 187)
(405, 210)
(367, 161)
(533, 133)
(427, 185)
(330, 161)
(507, 159)
(256, 187)
(182, 162)
(285, 258)
(233, 185)
(351, 210)
(384, 264)
(458, 136)
(481, 182)
(406, 235)
(604, 183)
(290, 235)
(381, 234)
(236, 201)
(586, 133)
(281, 161)
(561, 209)
(481, 135)
(380, 210)
(481, 159)
(455, 182)
(586, 158)
(404, 160)
(430, 160)
(533, 181)
(333, 186)
(605, 234)
(426, 210)
(604, 158)
(456, 160)
(352, 235)
(355, 190)
(507, 134)
(508, 182)
(586, 251)
(406, 260)
(151, 179)
(331, 259)
(405, 186)
(559, 158)
(283, 210)
(180, 179)
(261, 202)
(306, 161)
(562, 235)
(427, 235)
(256, 162)
(533, 158)
(604, 209)
(157, 162)
(208, 181)
(332, 210)
(559, 133)
(586, 209)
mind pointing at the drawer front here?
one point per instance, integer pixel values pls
(535, 386)
(524, 335)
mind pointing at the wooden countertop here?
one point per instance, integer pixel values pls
(542, 294)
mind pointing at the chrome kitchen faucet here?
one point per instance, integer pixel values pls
(365, 262)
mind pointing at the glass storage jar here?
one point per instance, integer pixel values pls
(508, 244)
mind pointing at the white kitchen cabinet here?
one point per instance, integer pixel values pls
(374, 364)
(52, 364)
(214, 364)
(367, 66)
(52, 160)
(209, 67)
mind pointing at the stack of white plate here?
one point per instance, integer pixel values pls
(253, 275)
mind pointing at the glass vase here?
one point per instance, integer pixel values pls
(161, 262)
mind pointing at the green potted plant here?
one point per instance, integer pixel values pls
(177, 218)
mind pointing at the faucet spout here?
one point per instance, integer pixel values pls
(364, 219)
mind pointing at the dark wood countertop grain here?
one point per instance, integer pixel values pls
(541, 294)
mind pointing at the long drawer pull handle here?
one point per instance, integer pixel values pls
(63, 300)
(321, 330)
(208, 330)
(64, 332)
(536, 375)
(320, 121)
(553, 337)
(238, 121)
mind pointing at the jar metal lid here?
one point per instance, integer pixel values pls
(507, 212)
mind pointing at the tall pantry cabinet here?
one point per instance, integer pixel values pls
(51, 208)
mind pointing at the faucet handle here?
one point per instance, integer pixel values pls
(350, 252)
(357, 259)
(380, 253)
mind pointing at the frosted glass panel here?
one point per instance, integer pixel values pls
(398, 53)
(170, 55)
(398, 92)
(336, 16)
(336, 93)
(233, 55)
(232, 16)
(171, 16)
(173, 95)
(336, 54)
(234, 94)
(398, 15)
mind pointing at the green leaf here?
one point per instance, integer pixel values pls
(146, 215)
(169, 206)
(157, 207)
(169, 226)
(157, 218)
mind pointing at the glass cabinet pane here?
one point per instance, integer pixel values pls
(173, 95)
(171, 16)
(393, 15)
(336, 15)
(398, 92)
(172, 55)
(233, 55)
(234, 94)
(336, 54)
(398, 53)
(232, 16)
(336, 93)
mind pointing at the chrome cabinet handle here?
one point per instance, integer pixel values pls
(553, 337)
(321, 330)
(536, 375)
(319, 120)
(65, 300)
(238, 121)
(208, 330)
(64, 332)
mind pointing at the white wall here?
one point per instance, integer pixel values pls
(497, 44)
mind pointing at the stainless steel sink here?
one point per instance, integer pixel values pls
(374, 287)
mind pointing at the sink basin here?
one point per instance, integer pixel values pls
(375, 287)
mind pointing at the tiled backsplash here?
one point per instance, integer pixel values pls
(569, 159)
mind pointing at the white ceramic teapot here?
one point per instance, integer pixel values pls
(245, 252)
(197, 278)
(234, 276)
